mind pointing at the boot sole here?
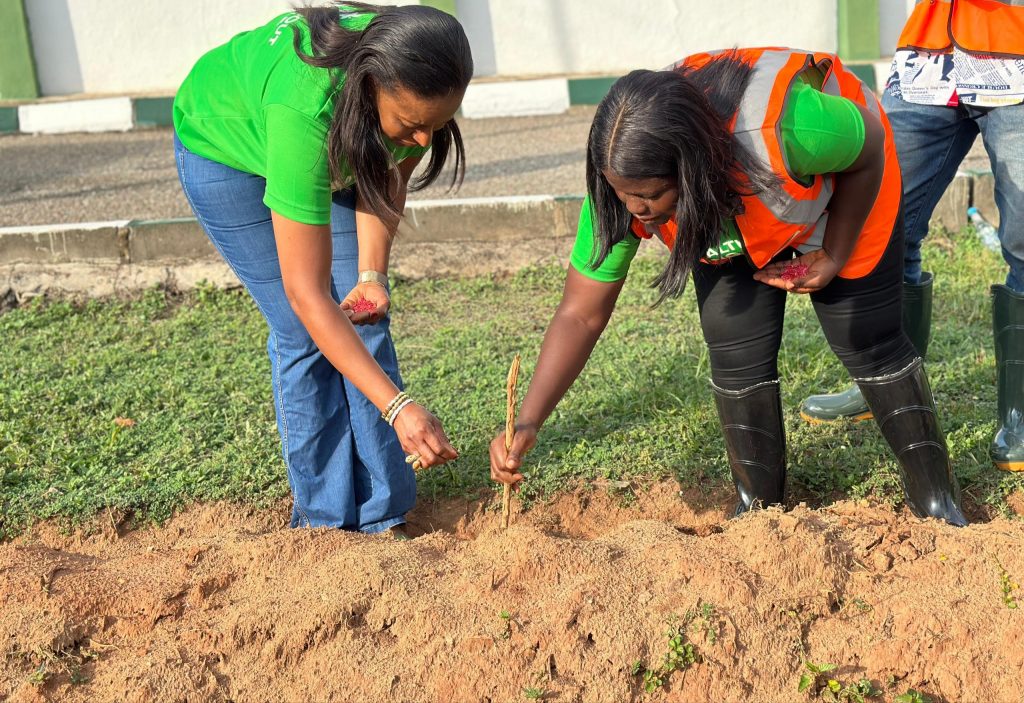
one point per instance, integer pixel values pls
(1009, 465)
(860, 417)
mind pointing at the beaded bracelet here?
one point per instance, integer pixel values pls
(398, 408)
(402, 395)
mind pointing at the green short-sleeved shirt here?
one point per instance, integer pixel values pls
(821, 133)
(254, 105)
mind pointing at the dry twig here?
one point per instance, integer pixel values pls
(510, 431)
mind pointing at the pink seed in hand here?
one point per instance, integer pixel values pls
(364, 305)
(794, 271)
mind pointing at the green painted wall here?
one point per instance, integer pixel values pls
(858, 26)
(589, 91)
(17, 67)
(443, 5)
(8, 119)
(153, 112)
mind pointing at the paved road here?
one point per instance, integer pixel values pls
(110, 176)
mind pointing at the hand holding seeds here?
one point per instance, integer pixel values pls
(805, 274)
(366, 304)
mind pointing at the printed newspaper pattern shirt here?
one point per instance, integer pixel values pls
(956, 78)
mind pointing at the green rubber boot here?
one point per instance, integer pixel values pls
(850, 404)
(1007, 449)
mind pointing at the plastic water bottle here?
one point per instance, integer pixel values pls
(986, 230)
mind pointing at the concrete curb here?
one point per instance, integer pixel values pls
(467, 236)
(110, 114)
(148, 241)
(438, 237)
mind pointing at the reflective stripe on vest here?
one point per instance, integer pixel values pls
(795, 215)
(993, 27)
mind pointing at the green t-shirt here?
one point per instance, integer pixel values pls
(254, 105)
(821, 133)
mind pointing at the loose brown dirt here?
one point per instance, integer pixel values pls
(223, 603)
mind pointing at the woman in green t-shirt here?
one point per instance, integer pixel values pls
(295, 144)
(765, 171)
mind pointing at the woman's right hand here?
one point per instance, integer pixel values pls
(419, 432)
(505, 463)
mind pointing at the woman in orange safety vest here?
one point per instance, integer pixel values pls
(765, 172)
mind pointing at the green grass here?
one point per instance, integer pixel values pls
(192, 373)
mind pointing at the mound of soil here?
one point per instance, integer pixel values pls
(226, 604)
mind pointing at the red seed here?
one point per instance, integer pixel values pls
(794, 271)
(364, 305)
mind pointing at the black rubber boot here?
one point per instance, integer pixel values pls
(850, 404)
(1007, 450)
(756, 442)
(903, 406)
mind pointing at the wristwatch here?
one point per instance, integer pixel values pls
(377, 277)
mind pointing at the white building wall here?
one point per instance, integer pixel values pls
(537, 37)
(134, 46)
(148, 46)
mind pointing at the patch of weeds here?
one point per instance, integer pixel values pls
(861, 605)
(39, 676)
(77, 677)
(506, 618)
(817, 681)
(1008, 586)
(679, 656)
(57, 663)
(709, 622)
(537, 691)
(912, 696)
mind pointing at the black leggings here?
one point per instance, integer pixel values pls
(861, 318)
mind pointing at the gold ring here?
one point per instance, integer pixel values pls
(412, 458)
(416, 466)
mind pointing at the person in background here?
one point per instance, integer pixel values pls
(958, 72)
(295, 143)
(766, 172)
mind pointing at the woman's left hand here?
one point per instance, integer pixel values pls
(821, 269)
(375, 294)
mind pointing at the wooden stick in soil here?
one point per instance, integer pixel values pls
(510, 431)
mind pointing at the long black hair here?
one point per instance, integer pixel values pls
(674, 124)
(418, 48)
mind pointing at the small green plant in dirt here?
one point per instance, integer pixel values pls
(506, 618)
(1008, 586)
(39, 676)
(912, 696)
(77, 677)
(861, 605)
(709, 623)
(537, 691)
(680, 655)
(817, 681)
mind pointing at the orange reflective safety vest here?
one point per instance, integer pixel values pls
(796, 214)
(981, 26)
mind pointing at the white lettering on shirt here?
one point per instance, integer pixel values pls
(287, 20)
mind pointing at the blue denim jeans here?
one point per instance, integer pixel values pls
(345, 465)
(931, 141)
